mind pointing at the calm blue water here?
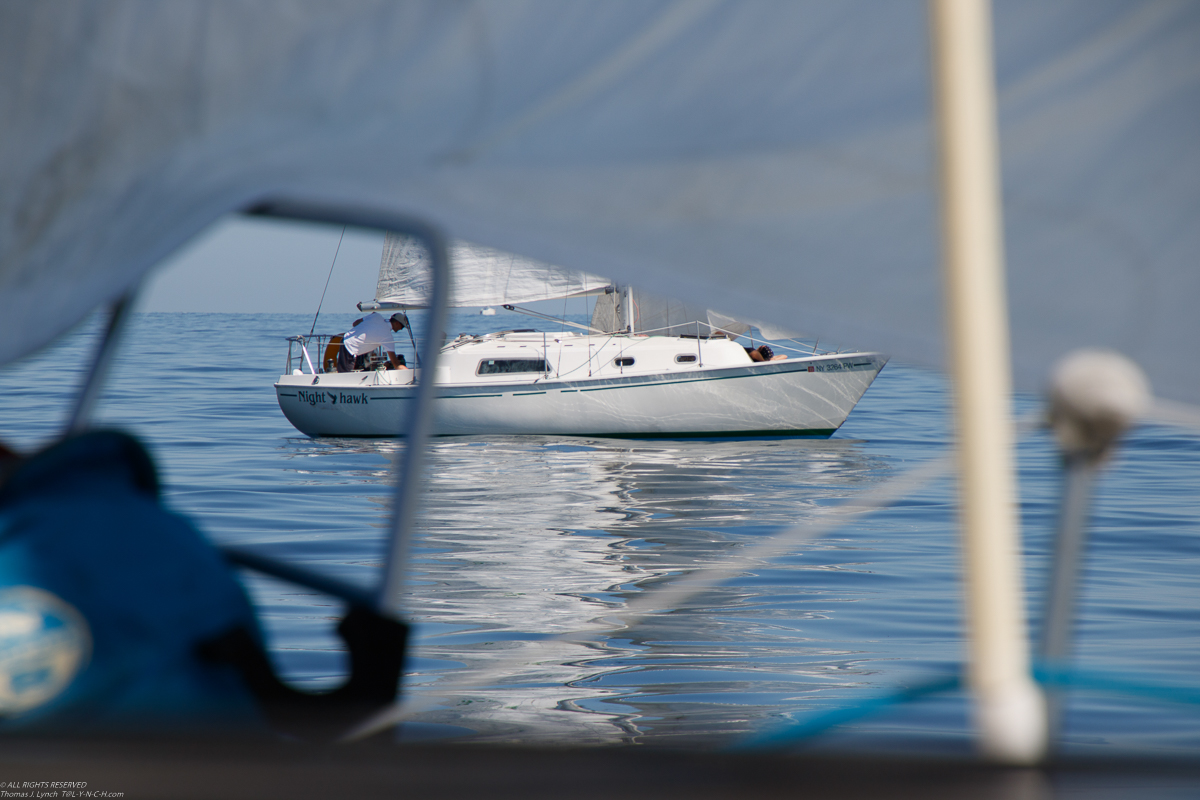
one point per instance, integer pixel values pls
(524, 537)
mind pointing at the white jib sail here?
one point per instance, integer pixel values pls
(660, 316)
(482, 277)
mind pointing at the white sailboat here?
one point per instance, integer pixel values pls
(643, 367)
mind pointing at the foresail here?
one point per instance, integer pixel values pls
(659, 316)
(482, 277)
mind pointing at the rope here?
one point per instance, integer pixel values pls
(1059, 678)
(823, 721)
(1054, 678)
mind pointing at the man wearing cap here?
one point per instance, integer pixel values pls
(367, 334)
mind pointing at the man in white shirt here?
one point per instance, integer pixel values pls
(367, 334)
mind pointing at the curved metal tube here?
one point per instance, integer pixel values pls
(89, 393)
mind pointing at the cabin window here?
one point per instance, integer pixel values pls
(504, 366)
(685, 358)
(623, 361)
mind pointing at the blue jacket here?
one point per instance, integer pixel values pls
(105, 597)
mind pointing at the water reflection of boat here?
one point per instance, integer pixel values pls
(644, 366)
(603, 523)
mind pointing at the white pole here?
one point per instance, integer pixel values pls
(1009, 708)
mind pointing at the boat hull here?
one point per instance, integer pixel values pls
(797, 397)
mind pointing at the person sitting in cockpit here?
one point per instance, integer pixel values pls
(369, 333)
(763, 353)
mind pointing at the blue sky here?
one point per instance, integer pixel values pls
(250, 265)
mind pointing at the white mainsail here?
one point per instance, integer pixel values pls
(482, 277)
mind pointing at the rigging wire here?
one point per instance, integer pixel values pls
(412, 339)
(331, 266)
(562, 330)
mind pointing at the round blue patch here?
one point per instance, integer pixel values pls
(44, 643)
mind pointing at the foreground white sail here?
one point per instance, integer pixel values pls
(526, 382)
